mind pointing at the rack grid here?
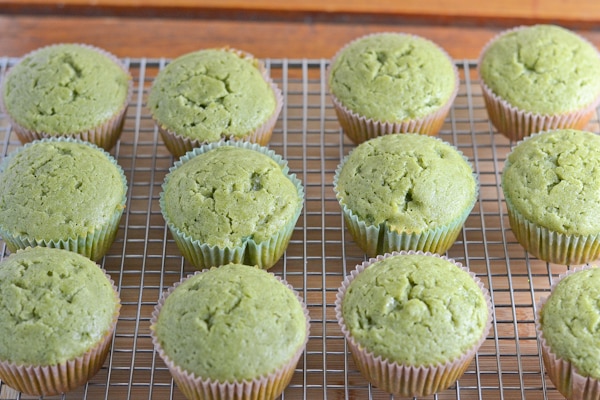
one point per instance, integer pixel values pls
(144, 259)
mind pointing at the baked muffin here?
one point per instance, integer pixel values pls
(552, 195)
(231, 201)
(413, 321)
(565, 323)
(58, 312)
(391, 82)
(61, 192)
(213, 94)
(231, 332)
(537, 78)
(69, 90)
(405, 192)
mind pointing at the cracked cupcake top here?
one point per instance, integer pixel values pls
(410, 182)
(543, 69)
(54, 305)
(231, 323)
(415, 309)
(59, 189)
(553, 180)
(230, 195)
(211, 94)
(392, 77)
(569, 320)
(65, 89)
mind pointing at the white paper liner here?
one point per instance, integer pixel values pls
(515, 123)
(546, 244)
(178, 144)
(50, 380)
(264, 254)
(360, 129)
(105, 135)
(97, 241)
(407, 380)
(561, 372)
(265, 387)
(381, 239)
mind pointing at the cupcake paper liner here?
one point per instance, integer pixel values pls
(381, 239)
(360, 129)
(105, 135)
(561, 372)
(265, 387)
(179, 144)
(50, 380)
(96, 243)
(407, 380)
(515, 123)
(264, 254)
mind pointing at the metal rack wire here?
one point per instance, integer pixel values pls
(144, 260)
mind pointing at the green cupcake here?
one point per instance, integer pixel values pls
(61, 192)
(68, 90)
(552, 195)
(413, 321)
(231, 202)
(58, 311)
(539, 77)
(565, 324)
(405, 192)
(213, 94)
(390, 83)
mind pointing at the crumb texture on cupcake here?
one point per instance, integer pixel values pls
(65, 89)
(211, 94)
(392, 77)
(231, 323)
(544, 69)
(55, 305)
(415, 310)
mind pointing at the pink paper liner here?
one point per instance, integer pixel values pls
(179, 144)
(561, 372)
(50, 380)
(105, 135)
(407, 380)
(380, 239)
(515, 123)
(548, 245)
(360, 129)
(264, 387)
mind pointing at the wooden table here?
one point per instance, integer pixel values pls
(297, 39)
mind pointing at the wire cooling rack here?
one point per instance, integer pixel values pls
(144, 259)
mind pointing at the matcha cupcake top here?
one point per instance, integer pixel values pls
(211, 94)
(410, 182)
(544, 69)
(229, 195)
(56, 189)
(55, 305)
(65, 88)
(231, 323)
(569, 318)
(392, 77)
(551, 179)
(415, 309)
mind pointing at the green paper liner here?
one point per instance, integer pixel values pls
(264, 254)
(401, 379)
(105, 135)
(266, 387)
(179, 144)
(50, 380)
(96, 243)
(381, 239)
(359, 128)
